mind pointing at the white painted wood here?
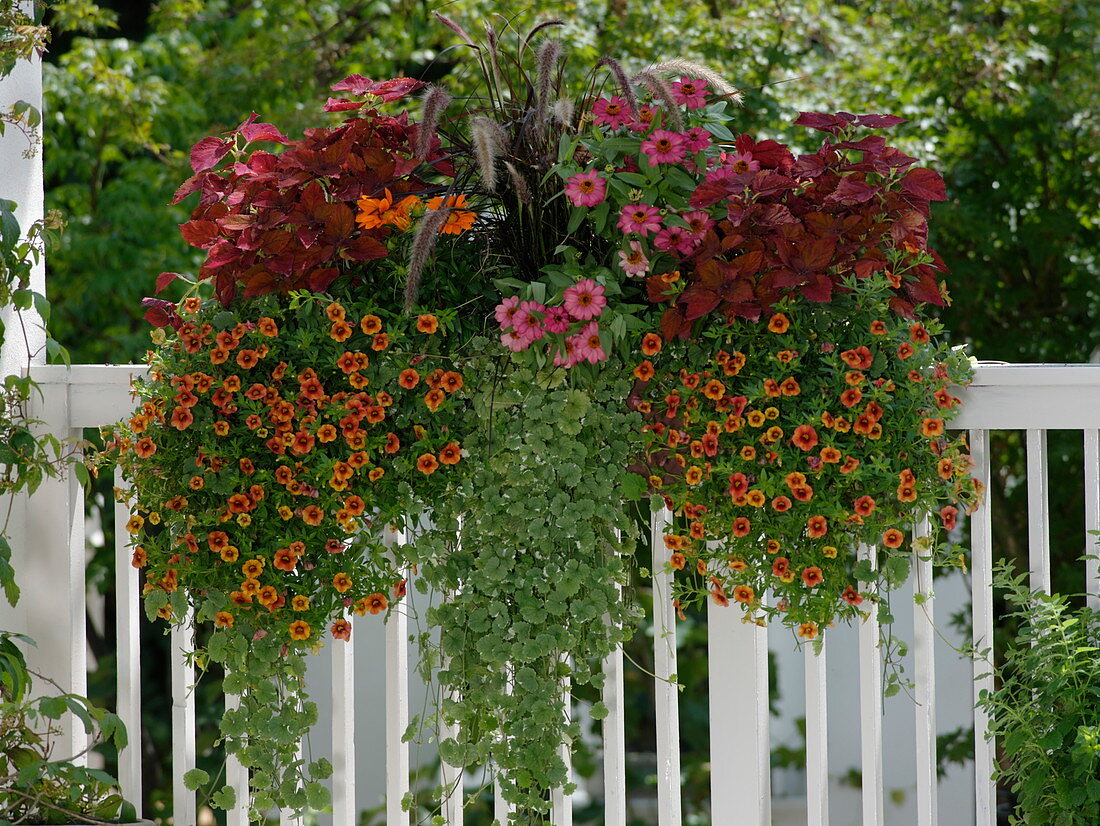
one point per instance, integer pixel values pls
(870, 704)
(740, 746)
(501, 807)
(817, 738)
(128, 660)
(1038, 511)
(99, 393)
(561, 804)
(666, 691)
(344, 811)
(981, 563)
(286, 816)
(1023, 396)
(182, 677)
(397, 711)
(236, 776)
(1092, 517)
(614, 741)
(450, 776)
(924, 660)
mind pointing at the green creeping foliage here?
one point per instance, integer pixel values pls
(1046, 713)
(528, 555)
(35, 786)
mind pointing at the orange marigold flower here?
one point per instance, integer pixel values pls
(743, 593)
(379, 212)
(450, 454)
(427, 323)
(817, 526)
(808, 630)
(299, 630)
(427, 464)
(865, 505)
(370, 325)
(892, 538)
(812, 576)
(181, 418)
(931, 427)
(376, 603)
(341, 630)
(434, 399)
(790, 387)
(779, 323)
(644, 371)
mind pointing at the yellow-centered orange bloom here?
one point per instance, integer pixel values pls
(458, 220)
(379, 212)
(427, 323)
(299, 630)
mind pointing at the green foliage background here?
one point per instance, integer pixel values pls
(1000, 95)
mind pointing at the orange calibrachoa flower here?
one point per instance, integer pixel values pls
(341, 582)
(223, 619)
(427, 323)
(341, 630)
(651, 344)
(427, 464)
(299, 630)
(743, 593)
(450, 454)
(892, 538)
(779, 323)
(374, 604)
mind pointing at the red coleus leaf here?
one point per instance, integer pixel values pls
(386, 89)
(208, 152)
(852, 190)
(201, 234)
(674, 325)
(161, 313)
(259, 281)
(709, 193)
(770, 154)
(364, 248)
(766, 182)
(320, 279)
(342, 105)
(824, 122)
(658, 290)
(166, 278)
(819, 288)
(263, 132)
(879, 121)
(697, 301)
(925, 288)
(922, 182)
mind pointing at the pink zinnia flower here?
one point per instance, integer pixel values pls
(647, 117)
(640, 218)
(698, 222)
(514, 341)
(506, 310)
(664, 147)
(634, 261)
(740, 162)
(586, 189)
(689, 93)
(675, 238)
(556, 320)
(584, 300)
(567, 355)
(696, 139)
(611, 113)
(589, 347)
(528, 321)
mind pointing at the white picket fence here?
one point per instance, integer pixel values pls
(1031, 398)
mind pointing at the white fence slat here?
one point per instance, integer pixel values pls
(614, 741)
(450, 776)
(397, 714)
(1092, 517)
(817, 738)
(740, 744)
(1038, 511)
(981, 566)
(667, 694)
(128, 657)
(924, 660)
(501, 807)
(286, 816)
(1022, 396)
(78, 607)
(344, 811)
(236, 776)
(870, 704)
(561, 804)
(182, 639)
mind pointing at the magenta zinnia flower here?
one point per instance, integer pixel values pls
(611, 113)
(506, 310)
(698, 222)
(640, 218)
(556, 320)
(514, 341)
(741, 162)
(664, 147)
(584, 300)
(689, 93)
(586, 189)
(528, 321)
(566, 357)
(647, 117)
(675, 238)
(589, 347)
(634, 261)
(696, 139)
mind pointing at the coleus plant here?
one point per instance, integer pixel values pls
(294, 410)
